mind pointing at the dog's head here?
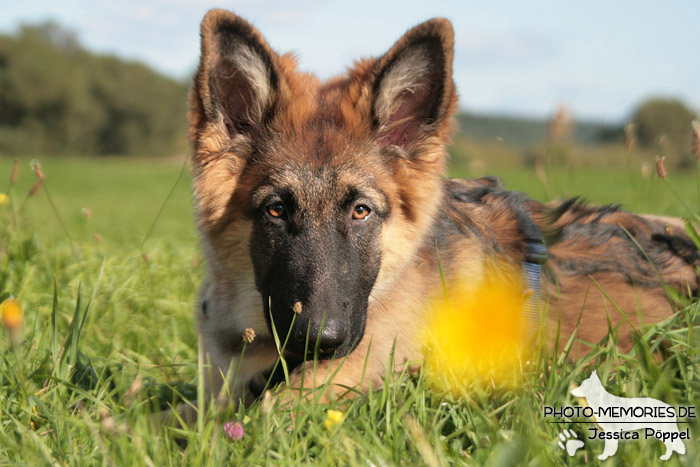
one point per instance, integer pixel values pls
(323, 189)
(589, 386)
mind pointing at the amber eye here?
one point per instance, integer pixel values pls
(360, 212)
(276, 210)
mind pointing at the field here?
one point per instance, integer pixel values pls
(105, 263)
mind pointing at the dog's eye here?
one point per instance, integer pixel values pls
(277, 210)
(360, 212)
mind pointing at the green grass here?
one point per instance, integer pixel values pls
(604, 186)
(108, 340)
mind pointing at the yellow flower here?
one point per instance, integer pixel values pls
(11, 313)
(333, 418)
(4, 199)
(480, 335)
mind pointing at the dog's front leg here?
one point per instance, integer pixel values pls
(609, 449)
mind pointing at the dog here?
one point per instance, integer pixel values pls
(598, 398)
(322, 207)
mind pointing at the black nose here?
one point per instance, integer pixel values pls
(324, 338)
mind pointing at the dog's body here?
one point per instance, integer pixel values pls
(598, 398)
(322, 208)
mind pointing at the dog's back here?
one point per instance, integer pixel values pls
(602, 262)
(606, 264)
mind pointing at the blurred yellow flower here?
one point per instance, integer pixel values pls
(333, 418)
(479, 336)
(11, 313)
(4, 199)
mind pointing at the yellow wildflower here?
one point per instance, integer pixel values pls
(11, 313)
(4, 199)
(333, 418)
(480, 335)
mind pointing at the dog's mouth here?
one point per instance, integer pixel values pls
(299, 354)
(273, 376)
(293, 359)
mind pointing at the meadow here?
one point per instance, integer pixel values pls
(104, 260)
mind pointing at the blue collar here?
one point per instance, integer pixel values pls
(535, 257)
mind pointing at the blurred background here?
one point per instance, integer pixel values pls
(110, 78)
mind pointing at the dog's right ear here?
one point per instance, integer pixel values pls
(237, 81)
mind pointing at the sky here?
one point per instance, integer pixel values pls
(599, 58)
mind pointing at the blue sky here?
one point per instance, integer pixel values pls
(521, 57)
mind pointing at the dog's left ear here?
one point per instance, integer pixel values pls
(413, 94)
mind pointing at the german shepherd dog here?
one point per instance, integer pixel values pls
(323, 206)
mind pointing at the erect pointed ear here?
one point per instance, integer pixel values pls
(237, 81)
(413, 91)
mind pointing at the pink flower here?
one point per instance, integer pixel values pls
(234, 430)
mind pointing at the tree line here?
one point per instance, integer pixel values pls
(58, 98)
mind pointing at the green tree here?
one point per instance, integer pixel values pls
(664, 125)
(58, 98)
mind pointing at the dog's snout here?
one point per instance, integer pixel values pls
(324, 337)
(332, 335)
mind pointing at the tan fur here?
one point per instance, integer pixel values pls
(588, 304)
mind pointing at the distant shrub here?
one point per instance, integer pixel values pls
(58, 98)
(664, 125)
